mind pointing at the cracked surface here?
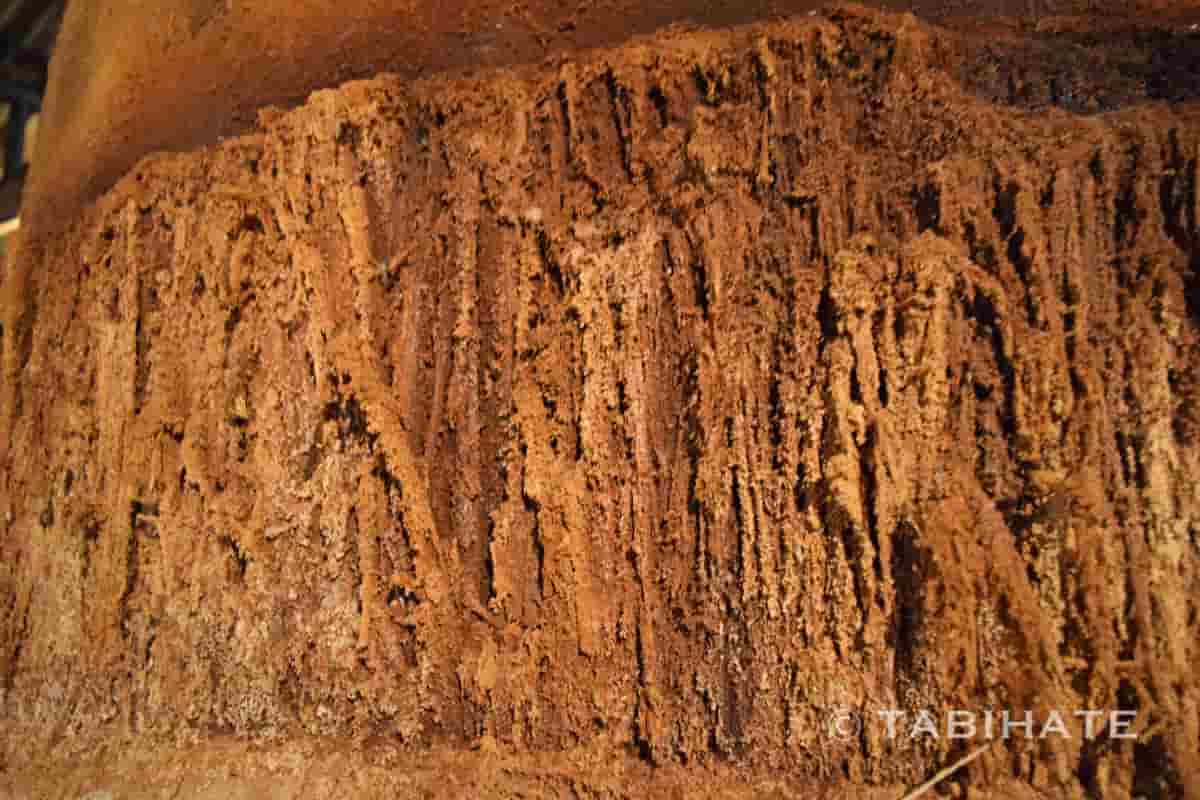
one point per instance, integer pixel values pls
(632, 410)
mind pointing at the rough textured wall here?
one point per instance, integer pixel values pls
(133, 76)
(667, 397)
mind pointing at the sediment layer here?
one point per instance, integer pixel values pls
(662, 399)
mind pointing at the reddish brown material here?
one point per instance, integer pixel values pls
(136, 76)
(600, 427)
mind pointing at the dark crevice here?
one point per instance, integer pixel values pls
(351, 420)
(640, 740)
(739, 520)
(983, 311)
(836, 519)
(1123, 452)
(553, 268)
(693, 434)
(619, 102)
(1139, 467)
(1191, 285)
(828, 317)
(131, 568)
(1127, 220)
(814, 232)
(870, 483)
(240, 559)
(800, 489)
(1046, 199)
(928, 201)
(1015, 250)
(856, 395)
(660, 105)
(981, 252)
(1177, 200)
(534, 508)
(1155, 775)
(775, 404)
(251, 223)
(878, 320)
(701, 274)
(1177, 195)
(1005, 209)
(141, 348)
(908, 578)
(565, 108)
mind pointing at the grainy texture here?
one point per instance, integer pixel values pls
(632, 411)
(134, 76)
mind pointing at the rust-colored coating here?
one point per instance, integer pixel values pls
(603, 427)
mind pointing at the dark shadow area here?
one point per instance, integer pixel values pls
(1086, 72)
